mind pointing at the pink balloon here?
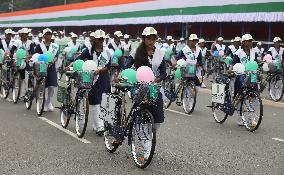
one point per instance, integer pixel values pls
(14, 56)
(221, 53)
(267, 58)
(145, 74)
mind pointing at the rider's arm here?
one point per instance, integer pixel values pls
(163, 73)
(228, 52)
(129, 62)
(12, 51)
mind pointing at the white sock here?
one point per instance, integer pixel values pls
(98, 123)
(50, 94)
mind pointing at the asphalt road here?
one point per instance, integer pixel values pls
(186, 145)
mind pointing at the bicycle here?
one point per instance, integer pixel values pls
(223, 105)
(7, 74)
(137, 126)
(186, 89)
(29, 94)
(78, 106)
(275, 82)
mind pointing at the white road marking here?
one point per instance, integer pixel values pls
(8, 99)
(177, 112)
(277, 139)
(64, 130)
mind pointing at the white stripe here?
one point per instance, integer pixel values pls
(277, 139)
(64, 130)
(140, 6)
(225, 17)
(177, 112)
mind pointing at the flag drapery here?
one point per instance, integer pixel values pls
(121, 12)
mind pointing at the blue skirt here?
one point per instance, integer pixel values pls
(101, 86)
(157, 110)
(51, 79)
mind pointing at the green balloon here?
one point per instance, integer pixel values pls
(251, 66)
(228, 60)
(168, 54)
(178, 73)
(21, 54)
(1, 55)
(77, 65)
(130, 74)
(73, 50)
(49, 55)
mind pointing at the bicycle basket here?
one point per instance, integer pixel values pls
(146, 93)
(275, 67)
(189, 71)
(62, 93)
(85, 79)
(40, 69)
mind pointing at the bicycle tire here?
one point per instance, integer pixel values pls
(16, 93)
(193, 89)
(64, 117)
(40, 91)
(167, 88)
(141, 161)
(85, 103)
(276, 77)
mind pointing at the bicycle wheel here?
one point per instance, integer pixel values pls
(29, 95)
(276, 89)
(251, 111)
(111, 142)
(218, 114)
(81, 115)
(64, 117)
(167, 87)
(60, 71)
(16, 90)
(40, 100)
(188, 97)
(143, 138)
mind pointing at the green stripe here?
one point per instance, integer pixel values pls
(238, 8)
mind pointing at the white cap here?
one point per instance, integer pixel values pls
(159, 38)
(54, 32)
(181, 39)
(73, 35)
(149, 31)
(98, 34)
(246, 37)
(193, 37)
(118, 33)
(169, 37)
(220, 39)
(126, 36)
(237, 39)
(9, 31)
(276, 39)
(47, 30)
(259, 43)
(24, 30)
(30, 34)
(53, 37)
(40, 35)
(61, 32)
(84, 33)
(201, 40)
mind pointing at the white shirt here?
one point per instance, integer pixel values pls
(71, 44)
(258, 51)
(219, 47)
(244, 58)
(276, 55)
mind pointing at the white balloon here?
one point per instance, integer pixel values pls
(181, 63)
(35, 57)
(265, 67)
(89, 65)
(239, 68)
(67, 49)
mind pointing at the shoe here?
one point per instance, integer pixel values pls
(100, 131)
(252, 123)
(50, 107)
(240, 121)
(45, 109)
(203, 85)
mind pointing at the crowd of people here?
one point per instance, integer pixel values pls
(149, 50)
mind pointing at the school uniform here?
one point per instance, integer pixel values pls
(102, 85)
(276, 55)
(188, 55)
(219, 47)
(51, 71)
(126, 48)
(241, 57)
(231, 51)
(258, 51)
(7, 45)
(76, 45)
(158, 65)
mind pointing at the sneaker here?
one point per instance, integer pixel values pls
(100, 131)
(45, 109)
(253, 123)
(240, 121)
(50, 107)
(203, 85)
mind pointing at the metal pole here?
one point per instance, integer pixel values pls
(65, 2)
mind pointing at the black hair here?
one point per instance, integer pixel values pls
(141, 54)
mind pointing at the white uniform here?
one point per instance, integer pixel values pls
(276, 55)
(72, 44)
